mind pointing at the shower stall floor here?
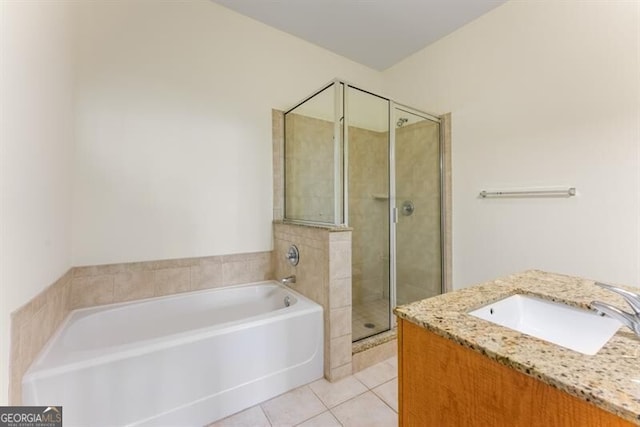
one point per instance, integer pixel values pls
(369, 318)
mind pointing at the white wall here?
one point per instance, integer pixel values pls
(36, 142)
(542, 93)
(174, 106)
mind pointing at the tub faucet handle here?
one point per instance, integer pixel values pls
(289, 280)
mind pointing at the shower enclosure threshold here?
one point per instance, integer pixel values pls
(377, 348)
(373, 341)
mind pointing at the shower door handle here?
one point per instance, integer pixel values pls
(394, 215)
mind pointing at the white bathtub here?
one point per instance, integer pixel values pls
(186, 359)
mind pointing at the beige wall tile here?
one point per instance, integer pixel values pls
(160, 264)
(249, 256)
(30, 329)
(36, 303)
(171, 280)
(340, 321)
(340, 236)
(132, 285)
(340, 351)
(16, 364)
(27, 352)
(207, 274)
(15, 388)
(340, 293)
(51, 314)
(23, 314)
(39, 332)
(238, 269)
(309, 168)
(91, 290)
(98, 270)
(340, 372)
(170, 263)
(61, 301)
(340, 259)
(327, 351)
(311, 274)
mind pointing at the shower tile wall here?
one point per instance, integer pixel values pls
(369, 213)
(418, 235)
(310, 160)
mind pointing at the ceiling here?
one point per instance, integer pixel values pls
(376, 33)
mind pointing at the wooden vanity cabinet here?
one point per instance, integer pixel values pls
(442, 383)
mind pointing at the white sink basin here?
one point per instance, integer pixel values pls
(580, 330)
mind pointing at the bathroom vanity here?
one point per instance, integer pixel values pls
(457, 369)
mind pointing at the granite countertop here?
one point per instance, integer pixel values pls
(609, 379)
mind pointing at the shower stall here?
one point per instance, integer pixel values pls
(357, 159)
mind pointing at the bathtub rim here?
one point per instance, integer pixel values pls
(304, 306)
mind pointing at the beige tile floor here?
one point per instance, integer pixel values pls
(375, 312)
(368, 398)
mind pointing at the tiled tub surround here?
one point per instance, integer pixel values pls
(33, 324)
(610, 379)
(31, 327)
(323, 275)
(106, 284)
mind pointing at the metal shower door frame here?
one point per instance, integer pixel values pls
(393, 210)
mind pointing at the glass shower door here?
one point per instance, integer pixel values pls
(417, 200)
(367, 163)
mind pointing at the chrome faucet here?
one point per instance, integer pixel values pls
(289, 280)
(630, 320)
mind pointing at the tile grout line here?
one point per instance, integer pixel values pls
(265, 412)
(380, 397)
(321, 401)
(355, 397)
(330, 410)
